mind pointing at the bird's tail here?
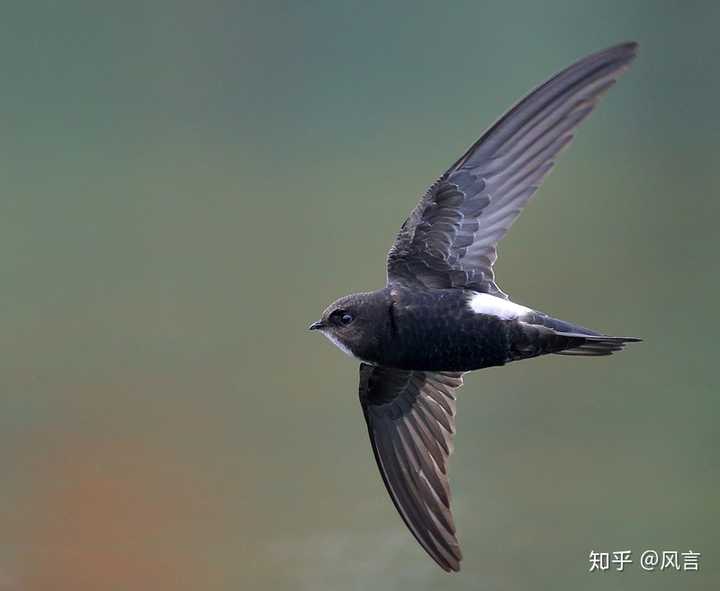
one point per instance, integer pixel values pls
(566, 338)
(595, 345)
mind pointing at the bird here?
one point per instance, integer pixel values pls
(442, 314)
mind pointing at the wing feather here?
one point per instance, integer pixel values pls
(410, 417)
(450, 238)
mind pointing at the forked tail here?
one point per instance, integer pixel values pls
(551, 335)
(595, 345)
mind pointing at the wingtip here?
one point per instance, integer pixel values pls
(628, 50)
(624, 47)
(630, 45)
(622, 53)
(450, 561)
(450, 567)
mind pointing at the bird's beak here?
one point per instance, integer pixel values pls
(316, 325)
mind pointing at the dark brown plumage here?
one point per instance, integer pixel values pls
(442, 313)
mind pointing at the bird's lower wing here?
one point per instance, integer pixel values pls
(410, 417)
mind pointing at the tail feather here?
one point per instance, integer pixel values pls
(539, 334)
(566, 338)
(596, 345)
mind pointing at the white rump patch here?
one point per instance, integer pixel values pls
(484, 303)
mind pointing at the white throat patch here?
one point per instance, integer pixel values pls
(335, 341)
(484, 303)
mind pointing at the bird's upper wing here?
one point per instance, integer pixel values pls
(450, 238)
(410, 417)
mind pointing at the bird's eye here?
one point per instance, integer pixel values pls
(342, 317)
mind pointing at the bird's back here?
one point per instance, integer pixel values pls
(437, 330)
(463, 330)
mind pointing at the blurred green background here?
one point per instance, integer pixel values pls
(186, 185)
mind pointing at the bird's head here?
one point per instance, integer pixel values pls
(351, 323)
